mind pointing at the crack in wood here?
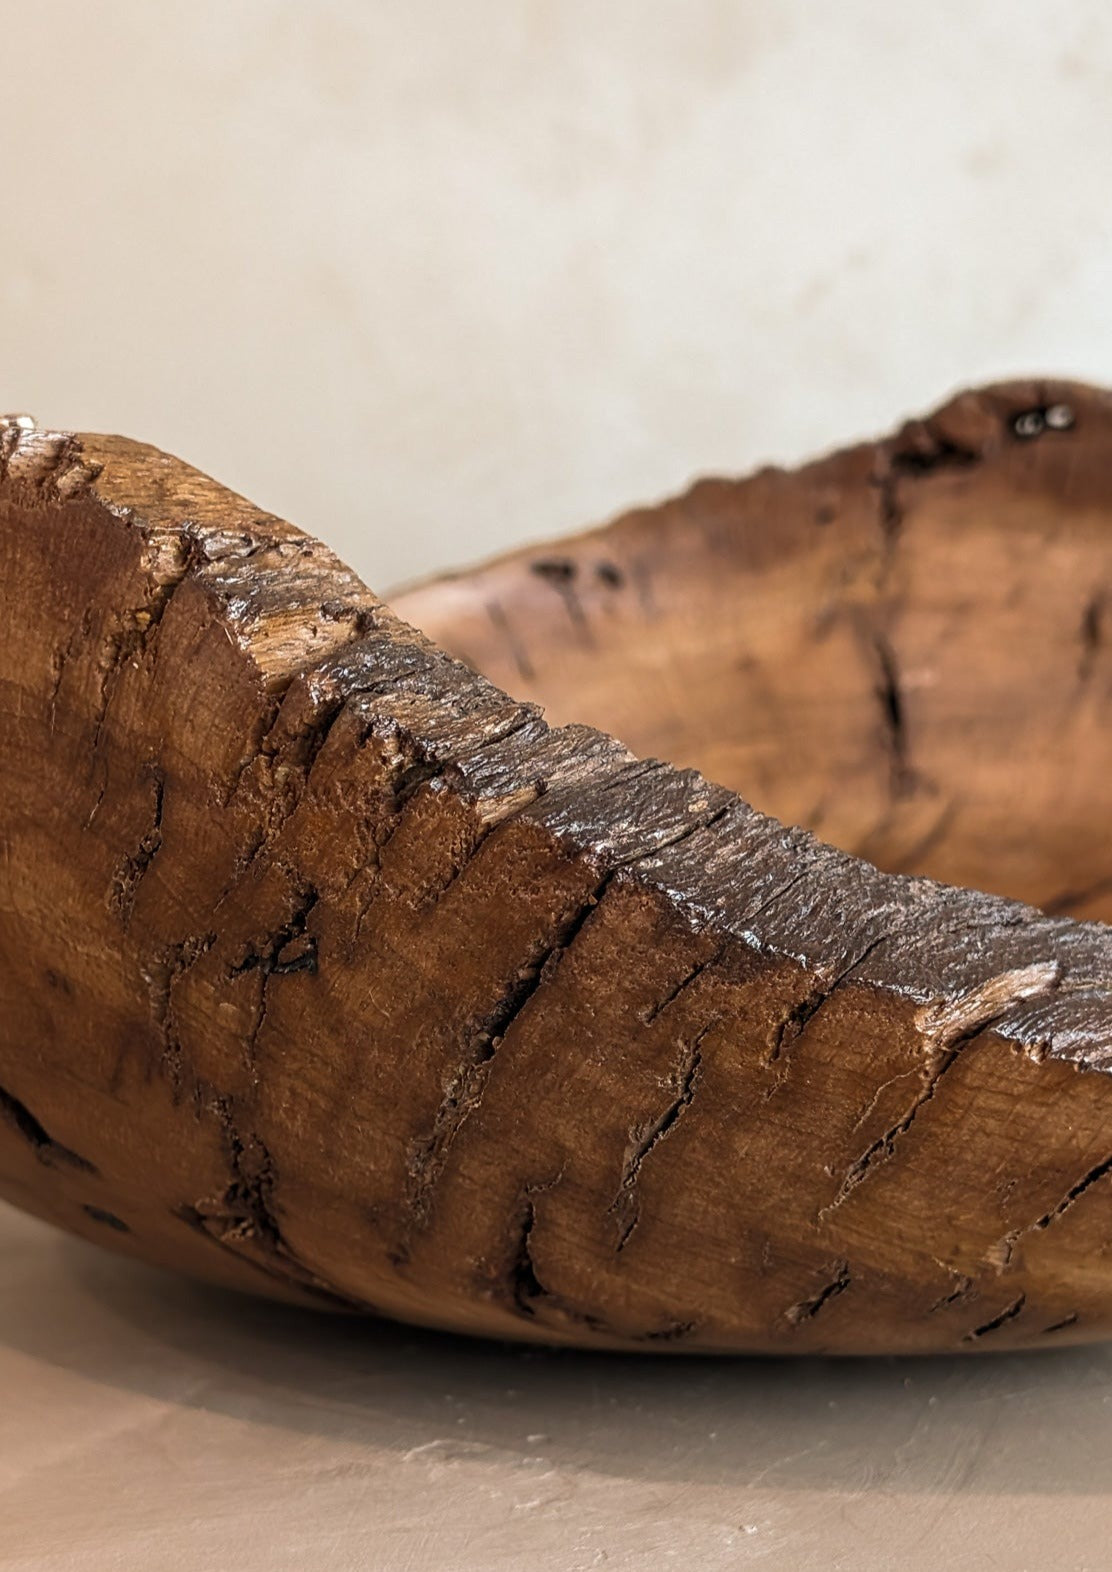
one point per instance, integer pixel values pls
(626, 1205)
(776, 895)
(884, 1146)
(893, 713)
(288, 950)
(962, 1291)
(1092, 635)
(244, 1220)
(948, 1029)
(467, 1083)
(672, 1332)
(130, 873)
(1073, 1195)
(99, 1214)
(915, 455)
(562, 573)
(421, 770)
(687, 981)
(1000, 1254)
(807, 1309)
(524, 1284)
(1061, 1326)
(161, 976)
(795, 1023)
(1009, 1313)
(519, 1283)
(48, 1150)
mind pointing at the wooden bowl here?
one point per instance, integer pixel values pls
(331, 971)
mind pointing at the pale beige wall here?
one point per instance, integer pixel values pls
(430, 276)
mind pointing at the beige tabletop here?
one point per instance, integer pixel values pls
(146, 1423)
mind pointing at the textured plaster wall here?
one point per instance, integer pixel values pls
(430, 277)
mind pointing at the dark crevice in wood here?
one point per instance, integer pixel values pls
(135, 637)
(1060, 1326)
(1091, 636)
(884, 1146)
(1072, 1196)
(282, 781)
(289, 948)
(261, 728)
(100, 1215)
(561, 573)
(878, 1092)
(946, 1054)
(131, 871)
(962, 1291)
(667, 843)
(685, 1078)
(889, 692)
(777, 894)
(999, 1255)
(533, 977)
(277, 1268)
(917, 453)
(522, 1287)
(467, 1083)
(672, 1332)
(46, 1148)
(1009, 1313)
(793, 1026)
(1002, 1252)
(525, 1286)
(940, 453)
(429, 1155)
(536, 789)
(243, 1218)
(891, 514)
(554, 570)
(687, 981)
(161, 978)
(420, 765)
(303, 750)
(408, 782)
(807, 1309)
(60, 660)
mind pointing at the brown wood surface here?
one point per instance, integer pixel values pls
(329, 970)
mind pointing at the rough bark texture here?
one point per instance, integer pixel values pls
(329, 970)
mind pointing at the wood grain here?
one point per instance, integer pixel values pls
(331, 971)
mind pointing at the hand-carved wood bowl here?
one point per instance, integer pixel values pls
(331, 971)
